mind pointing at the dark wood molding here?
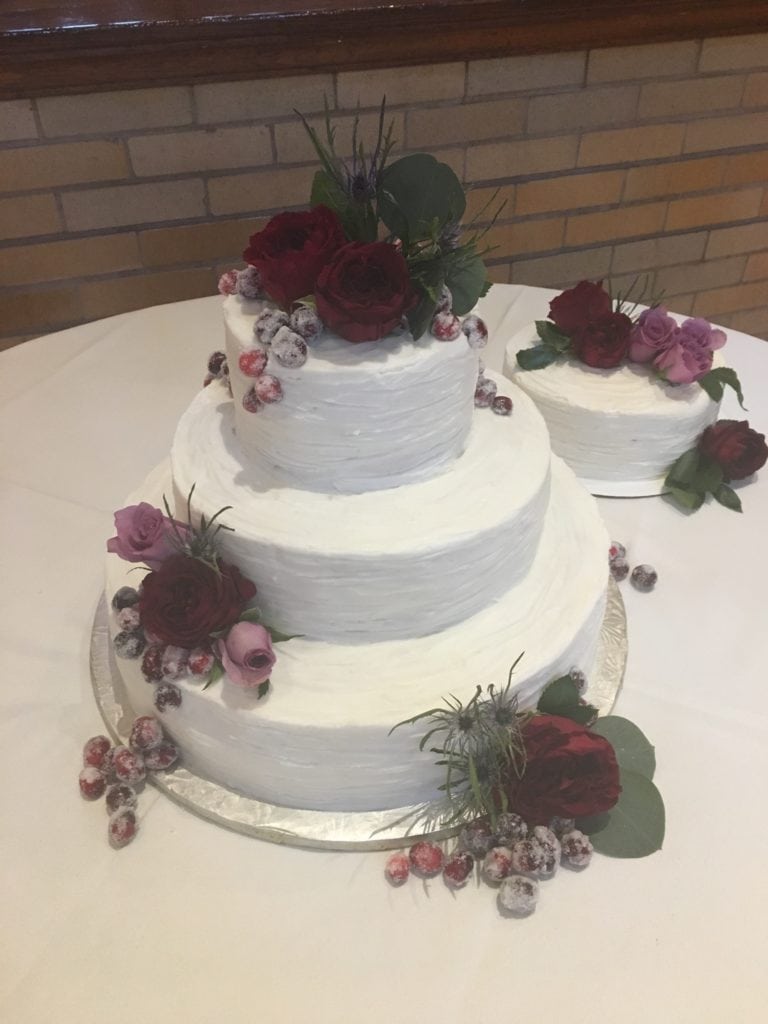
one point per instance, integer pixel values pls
(51, 46)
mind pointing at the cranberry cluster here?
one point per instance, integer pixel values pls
(644, 577)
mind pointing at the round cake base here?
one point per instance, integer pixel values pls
(334, 830)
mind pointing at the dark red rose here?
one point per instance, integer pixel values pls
(186, 600)
(569, 772)
(573, 309)
(604, 343)
(292, 250)
(364, 291)
(738, 449)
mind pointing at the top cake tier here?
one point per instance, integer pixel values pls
(356, 417)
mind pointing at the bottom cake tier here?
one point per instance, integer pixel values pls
(321, 739)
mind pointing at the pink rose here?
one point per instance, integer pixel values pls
(246, 654)
(144, 534)
(701, 332)
(651, 335)
(686, 358)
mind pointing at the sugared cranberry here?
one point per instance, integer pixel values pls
(562, 825)
(128, 619)
(518, 895)
(249, 283)
(550, 844)
(121, 795)
(426, 858)
(161, 757)
(228, 283)
(125, 597)
(128, 766)
(152, 663)
(616, 550)
(289, 348)
(251, 401)
(485, 392)
(527, 857)
(397, 868)
(644, 577)
(146, 733)
(475, 331)
(200, 662)
(458, 868)
(268, 389)
(122, 827)
(167, 696)
(129, 645)
(445, 302)
(502, 405)
(252, 362)
(577, 849)
(95, 750)
(268, 323)
(306, 322)
(497, 863)
(174, 662)
(445, 327)
(215, 362)
(92, 783)
(510, 828)
(477, 837)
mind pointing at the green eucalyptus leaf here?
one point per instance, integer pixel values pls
(251, 615)
(709, 477)
(536, 358)
(420, 317)
(552, 335)
(280, 638)
(216, 673)
(633, 751)
(691, 500)
(596, 823)
(715, 382)
(635, 826)
(560, 693)
(408, 208)
(684, 470)
(467, 281)
(728, 497)
(263, 689)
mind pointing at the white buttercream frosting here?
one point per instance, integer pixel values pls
(386, 564)
(613, 427)
(356, 417)
(321, 737)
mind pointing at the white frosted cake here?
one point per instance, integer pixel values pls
(619, 429)
(412, 544)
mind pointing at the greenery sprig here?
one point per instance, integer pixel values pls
(693, 476)
(198, 541)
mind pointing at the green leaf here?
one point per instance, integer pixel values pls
(684, 470)
(691, 500)
(715, 382)
(280, 638)
(216, 673)
(358, 218)
(633, 751)
(709, 477)
(251, 615)
(561, 697)
(467, 281)
(635, 826)
(420, 317)
(536, 358)
(552, 335)
(263, 689)
(728, 497)
(417, 191)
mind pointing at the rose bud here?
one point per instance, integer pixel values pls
(246, 654)
(144, 534)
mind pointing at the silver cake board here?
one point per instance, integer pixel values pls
(329, 830)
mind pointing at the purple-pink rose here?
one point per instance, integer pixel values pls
(688, 353)
(246, 654)
(651, 335)
(144, 534)
(701, 332)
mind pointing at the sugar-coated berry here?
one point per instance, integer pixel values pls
(167, 696)
(249, 283)
(289, 348)
(475, 331)
(208, 379)
(122, 827)
(485, 392)
(92, 783)
(215, 362)
(398, 868)
(128, 619)
(550, 844)
(577, 849)
(129, 645)
(619, 569)
(644, 577)
(457, 868)
(95, 750)
(200, 662)
(174, 663)
(252, 362)
(268, 323)
(228, 283)
(306, 322)
(128, 766)
(477, 837)
(560, 826)
(518, 895)
(426, 858)
(445, 327)
(510, 828)
(121, 795)
(146, 733)
(125, 597)
(527, 857)
(579, 679)
(616, 550)
(497, 863)
(502, 405)
(445, 302)
(251, 401)
(161, 757)
(268, 389)
(152, 663)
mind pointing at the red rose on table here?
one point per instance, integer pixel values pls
(573, 309)
(569, 772)
(186, 600)
(364, 292)
(604, 343)
(738, 449)
(292, 250)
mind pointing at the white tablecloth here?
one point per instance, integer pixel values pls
(195, 924)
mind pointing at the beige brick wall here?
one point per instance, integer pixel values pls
(646, 160)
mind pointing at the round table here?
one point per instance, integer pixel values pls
(195, 924)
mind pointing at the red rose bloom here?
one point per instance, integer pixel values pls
(292, 250)
(735, 447)
(364, 291)
(569, 772)
(575, 308)
(603, 343)
(186, 600)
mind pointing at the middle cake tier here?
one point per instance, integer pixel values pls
(381, 565)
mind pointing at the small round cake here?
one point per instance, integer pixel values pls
(619, 430)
